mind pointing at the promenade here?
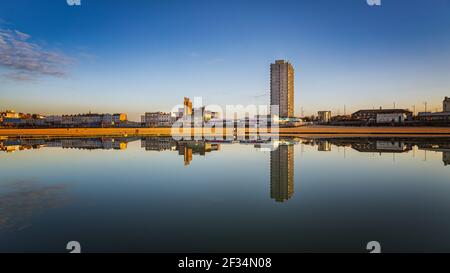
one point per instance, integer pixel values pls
(300, 131)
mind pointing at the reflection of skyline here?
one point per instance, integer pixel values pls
(381, 147)
(186, 148)
(324, 146)
(12, 145)
(282, 169)
(282, 173)
(389, 145)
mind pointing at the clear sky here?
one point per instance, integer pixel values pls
(146, 55)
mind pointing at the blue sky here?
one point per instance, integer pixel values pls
(146, 55)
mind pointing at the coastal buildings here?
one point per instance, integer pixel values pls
(10, 118)
(194, 117)
(82, 119)
(371, 115)
(10, 114)
(391, 117)
(53, 120)
(324, 116)
(437, 116)
(282, 87)
(93, 120)
(158, 119)
(446, 104)
(118, 118)
(206, 115)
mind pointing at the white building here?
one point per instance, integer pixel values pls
(324, 116)
(391, 117)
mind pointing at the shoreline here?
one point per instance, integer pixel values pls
(297, 131)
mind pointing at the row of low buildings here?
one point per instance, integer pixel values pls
(10, 118)
(94, 120)
(385, 116)
(438, 116)
(368, 116)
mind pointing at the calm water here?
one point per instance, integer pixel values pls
(157, 195)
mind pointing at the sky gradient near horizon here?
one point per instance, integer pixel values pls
(138, 56)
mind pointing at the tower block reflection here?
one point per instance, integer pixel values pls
(282, 173)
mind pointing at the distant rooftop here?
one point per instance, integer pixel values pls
(382, 111)
(434, 114)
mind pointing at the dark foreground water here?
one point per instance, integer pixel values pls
(158, 195)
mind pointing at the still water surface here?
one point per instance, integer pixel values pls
(158, 195)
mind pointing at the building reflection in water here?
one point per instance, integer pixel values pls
(189, 148)
(381, 147)
(186, 148)
(324, 146)
(281, 159)
(446, 158)
(391, 145)
(12, 145)
(282, 173)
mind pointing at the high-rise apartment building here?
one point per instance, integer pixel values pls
(282, 87)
